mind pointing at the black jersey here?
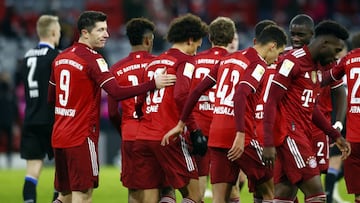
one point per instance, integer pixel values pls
(35, 72)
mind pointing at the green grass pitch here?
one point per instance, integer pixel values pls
(109, 191)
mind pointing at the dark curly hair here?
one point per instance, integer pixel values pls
(136, 28)
(329, 27)
(185, 27)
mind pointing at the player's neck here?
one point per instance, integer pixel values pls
(139, 48)
(48, 42)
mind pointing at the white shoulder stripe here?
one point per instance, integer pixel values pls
(52, 83)
(299, 53)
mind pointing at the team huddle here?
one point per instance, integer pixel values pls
(265, 111)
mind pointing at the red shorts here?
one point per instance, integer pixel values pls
(321, 149)
(127, 164)
(223, 170)
(77, 168)
(203, 164)
(157, 166)
(295, 165)
(352, 168)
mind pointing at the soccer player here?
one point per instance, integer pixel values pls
(129, 71)
(259, 27)
(349, 66)
(78, 75)
(226, 155)
(172, 163)
(221, 33)
(301, 32)
(267, 46)
(35, 71)
(289, 111)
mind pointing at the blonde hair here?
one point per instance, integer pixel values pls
(44, 23)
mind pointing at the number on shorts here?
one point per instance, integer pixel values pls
(320, 146)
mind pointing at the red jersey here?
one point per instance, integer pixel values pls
(259, 109)
(129, 72)
(78, 74)
(258, 64)
(204, 62)
(299, 76)
(228, 74)
(162, 107)
(349, 65)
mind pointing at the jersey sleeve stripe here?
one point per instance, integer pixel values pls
(332, 76)
(52, 83)
(338, 85)
(106, 81)
(278, 83)
(213, 79)
(251, 86)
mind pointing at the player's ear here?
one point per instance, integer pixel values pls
(190, 41)
(84, 32)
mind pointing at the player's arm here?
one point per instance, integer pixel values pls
(249, 83)
(120, 93)
(208, 82)
(181, 90)
(276, 93)
(334, 74)
(338, 99)
(321, 122)
(282, 80)
(51, 89)
(114, 115)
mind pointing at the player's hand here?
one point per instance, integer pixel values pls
(268, 157)
(163, 79)
(344, 147)
(177, 130)
(199, 142)
(238, 147)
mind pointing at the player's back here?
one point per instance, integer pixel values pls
(352, 71)
(161, 111)
(222, 128)
(77, 95)
(35, 72)
(204, 63)
(129, 71)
